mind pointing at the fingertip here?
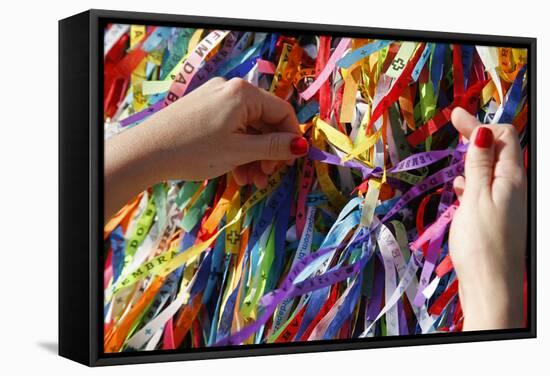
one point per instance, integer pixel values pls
(484, 137)
(240, 174)
(260, 180)
(457, 111)
(299, 146)
(268, 166)
(463, 121)
(250, 175)
(458, 185)
(257, 177)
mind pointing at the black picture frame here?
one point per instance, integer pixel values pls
(81, 187)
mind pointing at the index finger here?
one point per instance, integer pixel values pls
(264, 108)
(506, 139)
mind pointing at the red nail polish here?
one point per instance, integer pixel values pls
(484, 138)
(299, 146)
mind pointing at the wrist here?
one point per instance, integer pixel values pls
(491, 306)
(163, 147)
(132, 158)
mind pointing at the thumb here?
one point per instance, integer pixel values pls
(480, 159)
(277, 146)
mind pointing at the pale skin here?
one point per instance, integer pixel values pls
(220, 127)
(489, 230)
(232, 126)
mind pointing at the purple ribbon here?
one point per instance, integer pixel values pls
(142, 114)
(323, 156)
(412, 162)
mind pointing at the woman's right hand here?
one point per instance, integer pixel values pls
(489, 230)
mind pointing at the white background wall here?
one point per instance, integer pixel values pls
(28, 186)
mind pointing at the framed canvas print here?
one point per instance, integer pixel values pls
(236, 187)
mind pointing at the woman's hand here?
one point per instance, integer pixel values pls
(221, 126)
(488, 234)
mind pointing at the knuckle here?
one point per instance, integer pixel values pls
(288, 107)
(509, 130)
(520, 179)
(217, 80)
(274, 147)
(236, 87)
(480, 164)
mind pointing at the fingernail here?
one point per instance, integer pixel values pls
(299, 146)
(484, 138)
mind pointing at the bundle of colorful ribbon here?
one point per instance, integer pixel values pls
(349, 242)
